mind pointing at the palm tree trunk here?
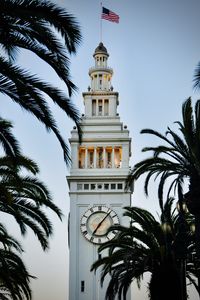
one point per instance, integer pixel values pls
(183, 255)
(183, 279)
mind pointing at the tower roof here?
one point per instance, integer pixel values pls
(101, 49)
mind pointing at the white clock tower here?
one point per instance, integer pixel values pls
(100, 165)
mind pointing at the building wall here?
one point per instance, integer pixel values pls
(85, 253)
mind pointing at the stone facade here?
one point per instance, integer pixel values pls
(100, 165)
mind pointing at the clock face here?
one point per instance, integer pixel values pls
(95, 223)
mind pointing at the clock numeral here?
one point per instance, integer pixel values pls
(83, 224)
(99, 241)
(85, 232)
(91, 239)
(99, 207)
(91, 209)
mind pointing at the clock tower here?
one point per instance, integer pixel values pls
(100, 165)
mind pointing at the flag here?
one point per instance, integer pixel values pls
(109, 15)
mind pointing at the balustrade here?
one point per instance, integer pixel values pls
(100, 157)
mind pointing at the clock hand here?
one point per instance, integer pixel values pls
(101, 222)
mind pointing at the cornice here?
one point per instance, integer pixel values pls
(100, 139)
(92, 178)
(100, 93)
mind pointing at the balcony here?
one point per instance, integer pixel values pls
(100, 69)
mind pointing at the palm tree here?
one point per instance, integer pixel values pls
(178, 160)
(24, 196)
(52, 34)
(147, 245)
(14, 278)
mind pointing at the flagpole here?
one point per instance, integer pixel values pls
(101, 24)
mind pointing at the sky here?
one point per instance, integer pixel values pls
(153, 51)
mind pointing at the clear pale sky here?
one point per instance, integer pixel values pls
(153, 51)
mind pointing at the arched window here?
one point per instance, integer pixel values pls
(81, 158)
(100, 108)
(118, 157)
(100, 162)
(108, 157)
(91, 158)
(94, 107)
(106, 107)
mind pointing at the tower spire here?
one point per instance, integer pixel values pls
(100, 74)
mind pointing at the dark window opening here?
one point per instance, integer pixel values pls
(113, 186)
(82, 286)
(119, 186)
(86, 186)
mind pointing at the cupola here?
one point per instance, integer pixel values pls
(100, 74)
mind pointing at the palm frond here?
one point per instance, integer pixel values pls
(52, 34)
(7, 139)
(196, 79)
(144, 246)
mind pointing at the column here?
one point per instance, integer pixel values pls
(97, 87)
(113, 155)
(95, 157)
(97, 106)
(86, 158)
(104, 157)
(102, 107)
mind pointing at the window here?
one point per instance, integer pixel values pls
(82, 286)
(90, 158)
(119, 186)
(93, 107)
(106, 107)
(93, 186)
(106, 186)
(118, 157)
(100, 81)
(95, 81)
(113, 186)
(108, 157)
(99, 186)
(81, 158)
(86, 186)
(79, 186)
(100, 108)
(100, 157)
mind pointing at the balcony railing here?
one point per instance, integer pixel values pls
(100, 68)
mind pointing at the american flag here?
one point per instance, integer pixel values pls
(109, 15)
